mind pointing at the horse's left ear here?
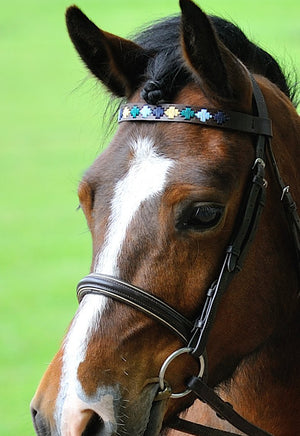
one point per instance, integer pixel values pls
(117, 62)
(220, 73)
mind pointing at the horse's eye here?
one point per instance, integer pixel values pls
(200, 217)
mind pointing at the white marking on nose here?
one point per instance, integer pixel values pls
(145, 179)
(84, 324)
(79, 412)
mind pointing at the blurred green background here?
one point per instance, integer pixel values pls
(52, 128)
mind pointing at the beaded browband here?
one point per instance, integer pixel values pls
(196, 115)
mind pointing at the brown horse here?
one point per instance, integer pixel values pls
(163, 203)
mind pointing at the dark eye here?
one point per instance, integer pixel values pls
(200, 217)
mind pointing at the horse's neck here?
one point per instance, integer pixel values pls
(265, 388)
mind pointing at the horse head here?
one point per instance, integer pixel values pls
(162, 202)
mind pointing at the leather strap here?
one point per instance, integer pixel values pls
(205, 117)
(234, 257)
(247, 219)
(154, 307)
(223, 409)
(192, 428)
(290, 207)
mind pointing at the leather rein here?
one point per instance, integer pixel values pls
(194, 335)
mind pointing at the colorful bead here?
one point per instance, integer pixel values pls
(203, 115)
(126, 112)
(120, 114)
(158, 112)
(146, 111)
(172, 112)
(135, 111)
(220, 117)
(187, 113)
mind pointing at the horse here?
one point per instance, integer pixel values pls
(191, 308)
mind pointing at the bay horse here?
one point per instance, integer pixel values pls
(193, 295)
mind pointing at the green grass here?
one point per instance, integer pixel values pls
(51, 130)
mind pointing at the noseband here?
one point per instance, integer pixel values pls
(194, 334)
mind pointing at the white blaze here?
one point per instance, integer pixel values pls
(145, 179)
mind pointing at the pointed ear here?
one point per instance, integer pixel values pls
(221, 74)
(117, 62)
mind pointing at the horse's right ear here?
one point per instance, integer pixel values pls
(221, 75)
(117, 62)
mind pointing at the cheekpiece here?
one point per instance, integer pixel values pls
(196, 115)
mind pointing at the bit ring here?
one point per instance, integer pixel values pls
(163, 369)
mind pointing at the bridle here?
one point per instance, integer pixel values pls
(194, 335)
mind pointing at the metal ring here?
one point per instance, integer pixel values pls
(167, 362)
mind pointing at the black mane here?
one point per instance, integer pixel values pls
(166, 73)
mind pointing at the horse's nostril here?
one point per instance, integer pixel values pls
(39, 423)
(94, 426)
(33, 413)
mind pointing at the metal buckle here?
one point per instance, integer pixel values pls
(285, 191)
(259, 161)
(164, 385)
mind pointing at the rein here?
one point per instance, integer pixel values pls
(195, 334)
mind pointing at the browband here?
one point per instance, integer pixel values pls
(196, 115)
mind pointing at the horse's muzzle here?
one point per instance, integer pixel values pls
(96, 419)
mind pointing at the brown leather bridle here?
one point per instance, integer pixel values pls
(194, 335)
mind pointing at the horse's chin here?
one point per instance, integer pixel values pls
(157, 417)
(145, 416)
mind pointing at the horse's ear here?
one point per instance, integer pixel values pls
(117, 62)
(220, 73)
